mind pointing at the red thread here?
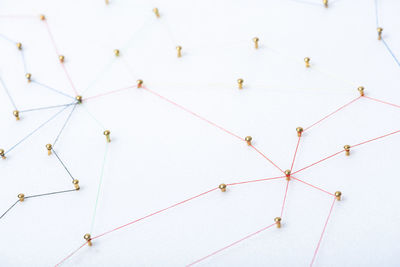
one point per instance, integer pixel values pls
(295, 153)
(381, 101)
(319, 161)
(259, 152)
(259, 180)
(230, 245)
(154, 213)
(62, 65)
(330, 114)
(284, 198)
(316, 187)
(323, 231)
(108, 93)
(362, 143)
(191, 112)
(70, 255)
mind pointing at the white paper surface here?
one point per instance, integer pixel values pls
(161, 155)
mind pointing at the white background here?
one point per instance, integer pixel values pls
(160, 155)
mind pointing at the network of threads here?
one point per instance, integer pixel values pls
(286, 174)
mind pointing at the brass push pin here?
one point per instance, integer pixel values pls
(49, 148)
(16, 114)
(21, 197)
(307, 61)
(2, 154)
(179, 50)
(255, 40)
(139, 83)
(287, 173)
(299, 131)
(61, 58)
(107, 134)
(116, 52)
(42, 17)
(325, 3)
(248, 140)
(79, 99)
(347, 149)
(155, 10)
(76, 184)
(88, 239)
(222, 187)
(240, 83)
(338, 195)
(361, 90)
(19, 46)
(380, 30)
(28, 77)
(278, 222)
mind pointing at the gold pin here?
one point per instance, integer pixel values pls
(255, 40)
(307, 61)
(278, 222)
(16, 114)
(299, 131)
(49, 148)
(76, 184)
(222, 187)
(107, 2)
(42, 17)
(380, 30)
(240, 83)
(155, 10)
(179, 50)
(248, 140)
(28, 77)
(116, 52)
(19, 46)
(347, 149)
(287, 173)
(79, 99)
(88, 239)
(361, 90)
(2, 154)
(325, 3)
(139, 83)
(61, 58)
(107, 134)
(338, 195)
(21, 197)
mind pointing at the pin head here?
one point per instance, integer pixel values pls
(287, 174)
(116, 52)
(49, 146)
(248, 139)
(106, 132)
(2, 153)
(79, 99)
(42, 17)
(16, 114)
(361, 90)
(21, 197)
(255, 39)
(278, 219)
(338, 194)
(307, 60)
(28, 76)
(88, 238)
(222, 187)
(299, 131)
(139, 83)
(346, 147)
(61, 58)
(379, 29)
(19, 46)
(76, 184)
